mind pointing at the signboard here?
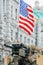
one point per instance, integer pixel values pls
(38, 13)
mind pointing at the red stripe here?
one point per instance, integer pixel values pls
(26, 25)
(30, 6)
(31, 15)
(30, 19)
(29, 10)
(27, 21)
(25, 29)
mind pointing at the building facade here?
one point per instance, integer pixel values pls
(38, 11)
(9, 31)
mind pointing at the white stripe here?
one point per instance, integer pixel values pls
(30, 13)
(25, 27)
(26, 23)
(29, 8)
(28, 19)
(25, 18)
(31, 18)
(31, 21)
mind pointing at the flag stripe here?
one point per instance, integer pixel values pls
(31, 19)
(27, 20)
(31, 15)
(25, 29)
(30, 6)
(29, 10)
(26, 25)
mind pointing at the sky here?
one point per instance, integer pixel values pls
(32, 2)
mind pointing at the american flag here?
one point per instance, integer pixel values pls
(26, 17)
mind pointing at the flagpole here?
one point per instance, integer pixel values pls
(18, 29)
(17, 34)
(18, 25)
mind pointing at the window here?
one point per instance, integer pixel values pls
(36, 42)
(0, 31)
(4, 6)
(24, 39)
(16, 35)
(1, 55)
(11, 34)
(42, 24)
(31, 41)
(20, 38)
(15, 13)
(7, 4)
(28, 40)
(16, 1)
(12, 11)
(42, 27)
(0, 27)
(0, 7)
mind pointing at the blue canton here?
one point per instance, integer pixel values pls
(23, 8)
